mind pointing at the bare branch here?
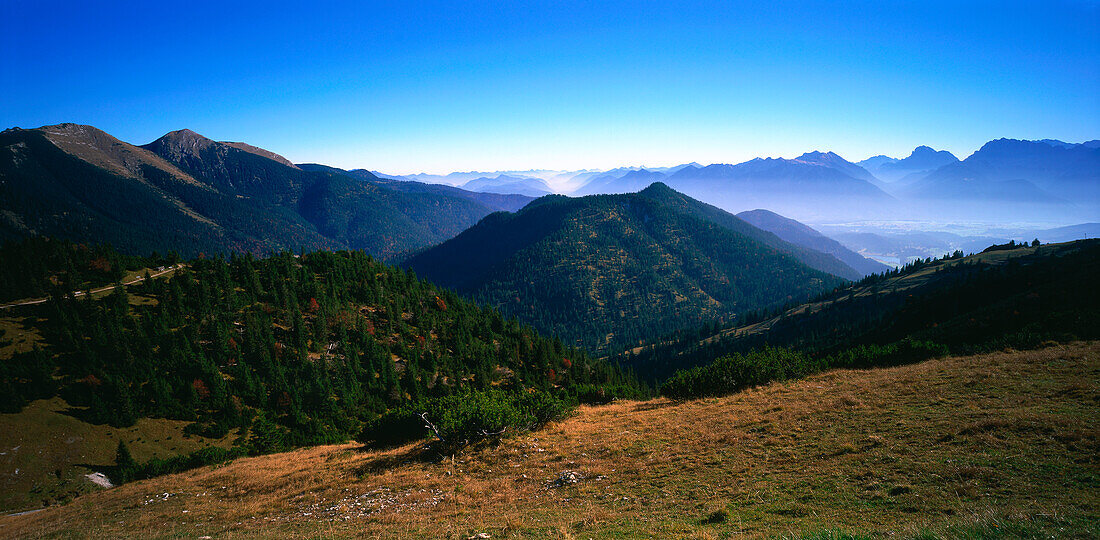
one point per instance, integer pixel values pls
(429, 424)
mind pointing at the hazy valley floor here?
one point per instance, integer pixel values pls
(1004, 441)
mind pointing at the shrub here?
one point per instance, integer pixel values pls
(602, 394)
(199, 458)
(730, 374)
(906, 351)
(213, 430)
(464, 419)
(397, 426)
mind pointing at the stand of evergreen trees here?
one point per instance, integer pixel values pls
(289, 350)
(967, 305)
(34, 267)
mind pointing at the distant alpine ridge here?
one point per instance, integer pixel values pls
(1046, 180)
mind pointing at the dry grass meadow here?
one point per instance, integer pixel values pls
(998, 445)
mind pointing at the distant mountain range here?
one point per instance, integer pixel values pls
(608, 271)
(1015, 170)
(189, 193)
(1038, 180)
(815, 187)
(923, 159)
(503, 183)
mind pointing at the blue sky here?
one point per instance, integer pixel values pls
(410, 86)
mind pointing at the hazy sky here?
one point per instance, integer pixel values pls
(407, 86)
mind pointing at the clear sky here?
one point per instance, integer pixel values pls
(404, 86)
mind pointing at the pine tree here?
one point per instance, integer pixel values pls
(125, 465)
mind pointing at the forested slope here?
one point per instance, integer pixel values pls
(1010, 295)
(608, 271)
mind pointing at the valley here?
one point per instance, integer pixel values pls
(497, 327)
(582, 271)
(958, 446)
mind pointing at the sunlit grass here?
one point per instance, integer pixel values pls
(1001, 445)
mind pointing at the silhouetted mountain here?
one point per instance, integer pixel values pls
(622, 179)
(189, 193)
(1018, 171)
(921, 161)
(629, 182)
(872, 163)
(789, 186)
(509, 184)
(1068, 233)
(830, 159)
(803, 235)
(459, 178)
(611, 270)
(1057, 143)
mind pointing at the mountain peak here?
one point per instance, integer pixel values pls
(923, 151)
(75, 131)
(817, 155)
(922, 158)
(657, 188)
(183, 139)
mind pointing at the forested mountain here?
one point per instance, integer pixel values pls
(805, 236)
(606, 271)
(187, 193)
(35, 267)
(814, 258)
(80, 183)
(1011, 295)
(260, 152)
(291, 349)
(355, 214)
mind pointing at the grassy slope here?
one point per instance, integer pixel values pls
(932, 446)
(45, 453)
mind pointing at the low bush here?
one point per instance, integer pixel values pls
(463, 419)
(127, 470)
(733, 373)
(906, 351)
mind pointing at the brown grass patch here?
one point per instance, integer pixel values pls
(913, 445)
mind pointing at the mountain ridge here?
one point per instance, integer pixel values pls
(801, 234)
(187, 192)
(629, 264)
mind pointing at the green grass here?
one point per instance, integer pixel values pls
(989, 526)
